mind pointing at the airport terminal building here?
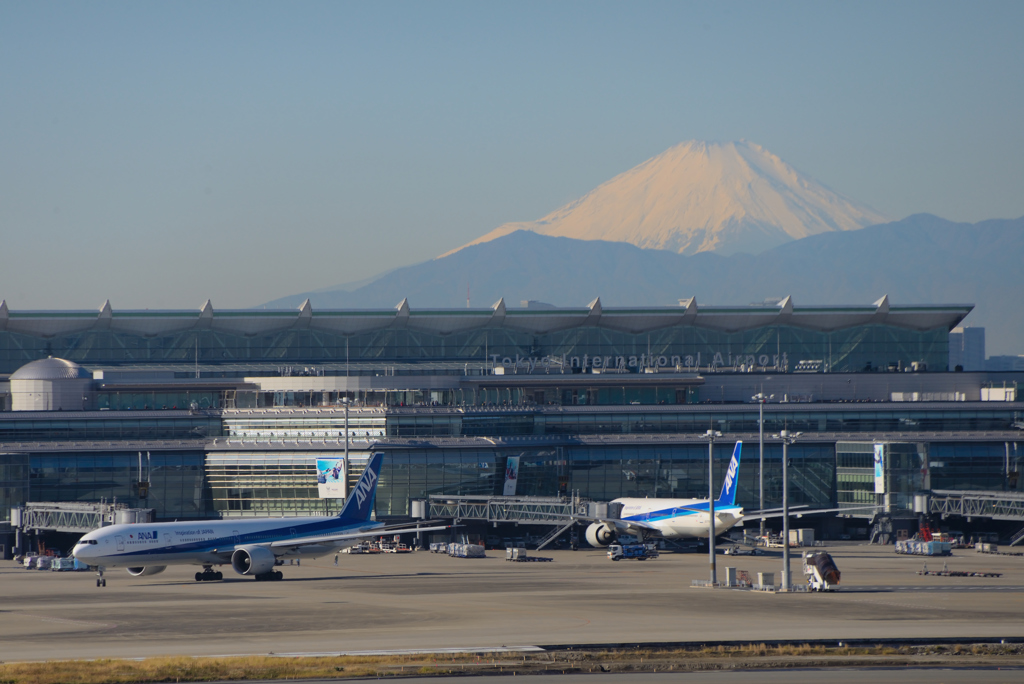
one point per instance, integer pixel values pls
(199, 414)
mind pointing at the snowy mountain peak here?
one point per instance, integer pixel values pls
(703, 197)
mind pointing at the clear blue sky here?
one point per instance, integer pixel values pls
(159, 154)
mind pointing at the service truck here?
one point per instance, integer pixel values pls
(637, 551)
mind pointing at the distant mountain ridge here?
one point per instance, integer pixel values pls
(919, 260)
(703, 197)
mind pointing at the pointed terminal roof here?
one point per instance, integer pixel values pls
(105, 316)
(596, 311)
(401, 313)
(499, 311)
(205, 315)
(634, 320)
(305, 315)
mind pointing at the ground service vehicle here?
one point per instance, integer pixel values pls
(637, 551)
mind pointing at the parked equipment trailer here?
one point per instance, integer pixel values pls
(821, 571)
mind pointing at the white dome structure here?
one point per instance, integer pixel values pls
(51, 385)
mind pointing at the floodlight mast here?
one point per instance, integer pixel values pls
(711, 435)
(760, 398)
(787, 438)
(345, 402)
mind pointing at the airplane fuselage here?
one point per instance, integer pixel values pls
(679, 518)
(208, 542)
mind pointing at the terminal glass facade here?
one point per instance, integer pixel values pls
(175, 477)
(604, 473)
(97, 426)
(14, 469)
(261, 484)
(778, 348)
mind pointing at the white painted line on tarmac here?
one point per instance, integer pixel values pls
(395, 652)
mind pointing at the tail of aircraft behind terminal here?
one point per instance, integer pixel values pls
(732, 476)
(360, 503)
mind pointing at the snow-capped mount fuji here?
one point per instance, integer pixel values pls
(703, 197)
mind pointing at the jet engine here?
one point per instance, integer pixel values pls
(600, 535)
(253, 560)
(147, 570)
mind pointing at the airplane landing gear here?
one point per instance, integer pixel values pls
(272, 576)
(208, 575)
(101, 581)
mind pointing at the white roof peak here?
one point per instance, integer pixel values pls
(403, 308)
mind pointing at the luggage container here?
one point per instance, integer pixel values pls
(468, 551)
(801, 537)
(62, 564)
(923, 548)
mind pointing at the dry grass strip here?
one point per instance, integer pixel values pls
(749, 656)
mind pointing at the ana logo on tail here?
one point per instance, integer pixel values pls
(730, 476)
(365, 486)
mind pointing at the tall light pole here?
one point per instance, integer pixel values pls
(760, 398)
(787, 438)
(344, 402)
(711, 435)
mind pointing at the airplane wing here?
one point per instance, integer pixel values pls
(799, 512)
(359, 534)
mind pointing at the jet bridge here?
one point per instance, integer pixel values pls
(977, 504)
(73, 516)
(558, 512)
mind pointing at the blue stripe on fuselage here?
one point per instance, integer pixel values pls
(667, 513)
(265, 536)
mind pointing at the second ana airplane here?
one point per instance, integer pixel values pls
(671, 518)
(251, 547)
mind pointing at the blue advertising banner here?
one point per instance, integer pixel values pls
(330, 478)
(879, 469)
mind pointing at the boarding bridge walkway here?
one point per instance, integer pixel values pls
(522, 510)
(560, 512)
(73, 516)
(968, 504)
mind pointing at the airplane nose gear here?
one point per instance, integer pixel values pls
(208, 575)
(101, 581)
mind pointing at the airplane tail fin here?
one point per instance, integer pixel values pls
(360, 500)
(732, 476)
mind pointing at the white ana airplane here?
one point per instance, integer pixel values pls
(684, 518)
(251, 547)
(671, 518)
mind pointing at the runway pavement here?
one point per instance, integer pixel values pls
(426, 601)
